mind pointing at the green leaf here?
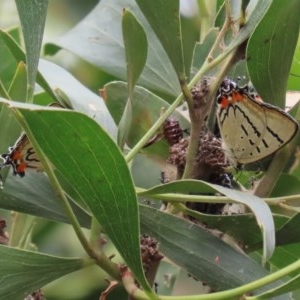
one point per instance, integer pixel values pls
(19, 55)
(294, 78)
(285, 255)
(32, 16)
(88, 160)
(100, 32)
(81, 98)
(190, 36)
(34, 195)
(290, 232)
(258, 206)
(290, 286)
(286, 185)
(125, 124)
(201, 50)
(133, 35)
(198, 251)
(271, 48)
(163, 16)
(8, 65)
(18, 87)
(22, 272)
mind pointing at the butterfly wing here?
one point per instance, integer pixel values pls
(239, 132)
(280, 128)
(27, 153)
(252, 130)
(21, 156)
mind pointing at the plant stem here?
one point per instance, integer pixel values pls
(95, 234)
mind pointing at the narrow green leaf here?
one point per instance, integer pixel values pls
(22, 272)
(163, 16)
(258, 206)
(32, 16)
(124, 126)
(271, 48)
(18, 87)
(89, 161)
(133, 35)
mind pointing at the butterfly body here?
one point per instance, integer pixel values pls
(251, 129)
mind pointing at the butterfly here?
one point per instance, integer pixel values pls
(250, 129)
(22, 156)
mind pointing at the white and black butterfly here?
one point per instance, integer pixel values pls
(251, 129)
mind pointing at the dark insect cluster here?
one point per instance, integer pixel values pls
(172, 131)
(3, 235)
(150, 252)
(210, 151)
(199, 92)
(178, 154)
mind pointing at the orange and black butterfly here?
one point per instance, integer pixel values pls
(22, 156)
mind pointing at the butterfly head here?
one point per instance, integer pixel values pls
(229, 93)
